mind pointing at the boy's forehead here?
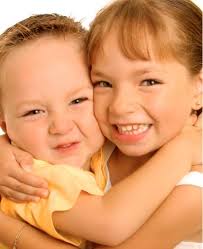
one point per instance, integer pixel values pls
(45, 48)
(45, 42)
(39, 60)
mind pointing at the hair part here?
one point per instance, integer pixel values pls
(166, 28)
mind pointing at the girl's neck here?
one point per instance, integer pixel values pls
(121, 166)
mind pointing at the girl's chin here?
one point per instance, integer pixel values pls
(137, 151)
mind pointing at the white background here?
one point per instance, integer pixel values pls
(12, 11)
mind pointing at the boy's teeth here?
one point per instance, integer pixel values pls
(132, 129)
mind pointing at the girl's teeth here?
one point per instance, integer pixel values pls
(129, 128)
(133, 129)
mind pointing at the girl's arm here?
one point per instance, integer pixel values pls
(177, 219)
(113, 218)
(30, 238)
(110, 220)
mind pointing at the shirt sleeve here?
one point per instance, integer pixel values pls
(65, 184)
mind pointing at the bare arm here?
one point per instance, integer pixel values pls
(177, 218)
(112, 220)
(30, 236)
(107, 214)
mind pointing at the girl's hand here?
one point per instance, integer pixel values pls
(17, 183)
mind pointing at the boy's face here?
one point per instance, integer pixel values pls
(47, 101)
(140, 105)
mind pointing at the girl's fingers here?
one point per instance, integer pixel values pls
(15, 185)
(23, 158)
(17, 196)
(28, 178)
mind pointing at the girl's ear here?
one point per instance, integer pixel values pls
(197, 100)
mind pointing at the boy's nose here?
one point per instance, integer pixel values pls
(60, 125)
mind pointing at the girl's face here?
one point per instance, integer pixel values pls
(140, 104)
(47, 101)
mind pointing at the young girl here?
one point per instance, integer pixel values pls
(139, 126)
(42, 101)
(146, 67)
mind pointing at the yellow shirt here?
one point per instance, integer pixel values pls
(65, 184)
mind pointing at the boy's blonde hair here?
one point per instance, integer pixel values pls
(37, 26)
(172, 28)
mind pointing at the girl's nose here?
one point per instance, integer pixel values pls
(123, 103)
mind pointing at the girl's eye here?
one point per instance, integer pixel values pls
(150, 82)
(33, 112)
(102, 84)
(78, 101)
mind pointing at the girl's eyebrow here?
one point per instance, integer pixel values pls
(137, 71)
(102, 75)
(96, 72)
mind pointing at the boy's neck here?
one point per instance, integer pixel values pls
(87, 165)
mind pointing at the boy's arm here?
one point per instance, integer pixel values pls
(177, 219)
(30, 238)
(113, 218)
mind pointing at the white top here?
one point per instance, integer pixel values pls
(195, 179)
(192, 178)
(189, 245)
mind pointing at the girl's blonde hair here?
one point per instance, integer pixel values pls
(172, 28)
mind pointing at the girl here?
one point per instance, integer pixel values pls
(146, 67)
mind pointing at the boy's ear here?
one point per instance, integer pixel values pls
(197, 101)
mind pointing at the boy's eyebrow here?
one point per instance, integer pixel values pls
(82, 88)
(38, 102)
(28, 102)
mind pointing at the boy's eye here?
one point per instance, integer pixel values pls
(78, 100)
(102, 84)
(33, 112)
(150, 82)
